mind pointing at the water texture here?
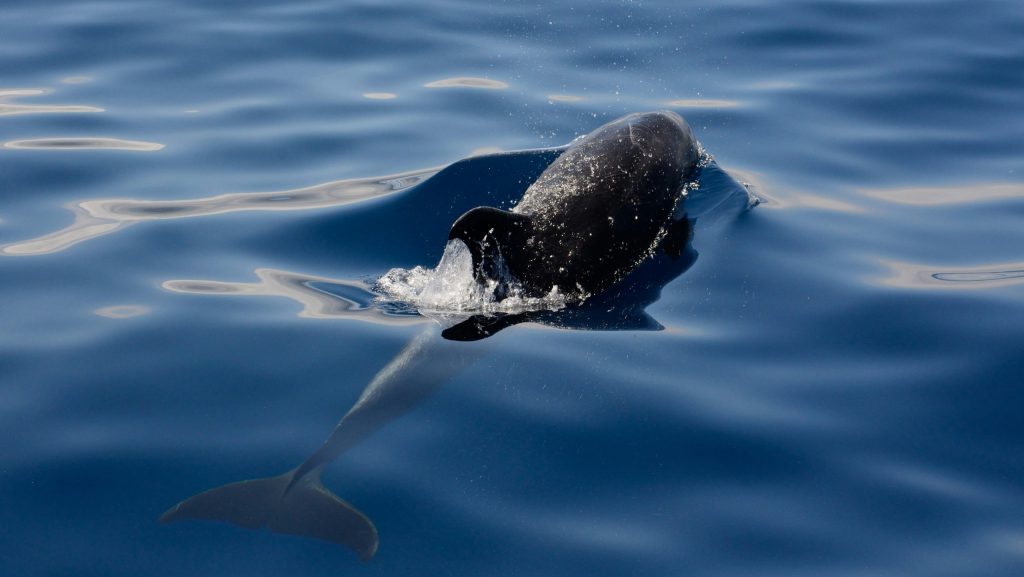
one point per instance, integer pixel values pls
(196, 199)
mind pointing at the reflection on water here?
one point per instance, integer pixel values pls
(918, 276)
(790, 198)
(320, 297)
(7, 107)
(122, 311)
(95, 218)
(564, 98)
(702, 103)
(467, 82)
(917, 196)
(979, 276)
(937, 195)
(85, 143)
(380, 95)
(775, 85)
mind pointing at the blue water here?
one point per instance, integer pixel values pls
(835, 388)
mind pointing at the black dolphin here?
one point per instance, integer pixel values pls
(593, 215)
(591, 220)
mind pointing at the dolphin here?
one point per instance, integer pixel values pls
(592, 216)
(592, 219)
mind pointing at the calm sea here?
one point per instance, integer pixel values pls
(196, 196)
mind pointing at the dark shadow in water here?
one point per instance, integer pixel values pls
(296, 502)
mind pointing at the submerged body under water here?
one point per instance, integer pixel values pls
(191, 235)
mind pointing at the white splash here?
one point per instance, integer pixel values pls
(450, 288)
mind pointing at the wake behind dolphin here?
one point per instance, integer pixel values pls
(607, 205)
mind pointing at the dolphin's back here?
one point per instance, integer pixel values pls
(639, 158)
(600, 208)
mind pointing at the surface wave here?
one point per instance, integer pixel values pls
(94, 218)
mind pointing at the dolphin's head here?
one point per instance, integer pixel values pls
(665, 135)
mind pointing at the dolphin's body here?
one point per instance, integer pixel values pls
(296, 502)
(588, 221)
(593, 215)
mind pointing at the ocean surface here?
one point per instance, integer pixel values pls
(196, 200)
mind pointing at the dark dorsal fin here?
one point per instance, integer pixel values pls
(488, 231)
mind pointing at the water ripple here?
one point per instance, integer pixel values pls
(94, 218)
(320, 297)
(912, 275)
(979, 276)
(122, 311)
(467, 82)
(85, 143)
(789, 199)
(76, 80)
(9, 108)
(702, 103)
(939, 195)
(564, 98)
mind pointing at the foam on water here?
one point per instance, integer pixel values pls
(450, 287)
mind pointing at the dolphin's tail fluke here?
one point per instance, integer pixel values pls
(303, 507)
